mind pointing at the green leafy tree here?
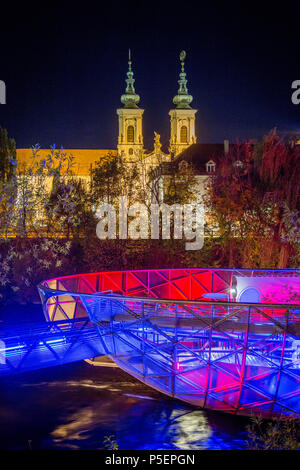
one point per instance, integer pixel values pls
(8, 190)
(68, 208)
(110, 443)
(180, 184)
(7, 156)
(112, 177)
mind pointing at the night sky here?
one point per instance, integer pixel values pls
(64, 69)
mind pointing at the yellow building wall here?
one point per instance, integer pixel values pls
(83, 158)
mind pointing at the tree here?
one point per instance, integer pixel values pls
(8, 191)
(33, 251)
(251, 197)
(33, 184)
(273, 435)
(68, 208)
(180, 184)
(112, 178)
(7, 156)
(277, 166)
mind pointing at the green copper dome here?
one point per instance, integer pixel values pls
(130, 99)
(182, 100)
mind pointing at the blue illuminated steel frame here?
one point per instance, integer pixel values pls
(162, 327)
(45, 344)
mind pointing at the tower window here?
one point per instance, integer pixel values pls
(130, 151)
(130, 134)
(183, 134)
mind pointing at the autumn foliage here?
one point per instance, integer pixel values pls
(254, 201)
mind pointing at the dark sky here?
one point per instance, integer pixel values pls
(65, 67)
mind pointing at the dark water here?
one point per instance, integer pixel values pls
(76, 405)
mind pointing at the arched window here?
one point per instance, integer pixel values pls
(183, 134)
(210, 166)
(130, 134)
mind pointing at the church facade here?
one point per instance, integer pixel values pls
(182, 142)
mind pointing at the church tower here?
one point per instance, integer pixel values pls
(130, 141)
(182, 117)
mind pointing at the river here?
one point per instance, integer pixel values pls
(76, 405)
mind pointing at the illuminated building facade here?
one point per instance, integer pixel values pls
(130, 143)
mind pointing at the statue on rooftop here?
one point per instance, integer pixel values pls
(157, 144)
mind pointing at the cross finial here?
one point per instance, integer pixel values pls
(182, 57)
(129, 59)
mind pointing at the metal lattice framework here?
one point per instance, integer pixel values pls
(166, 328)
(38, 345)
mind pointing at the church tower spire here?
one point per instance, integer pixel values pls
(183, 116)
(182, 100)
(130, 141)
(130, 99)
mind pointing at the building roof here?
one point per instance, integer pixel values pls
(200, 154)
(83, 158)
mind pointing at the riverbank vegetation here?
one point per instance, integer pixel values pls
(275, 434)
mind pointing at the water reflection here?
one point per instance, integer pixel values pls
(76, 405)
